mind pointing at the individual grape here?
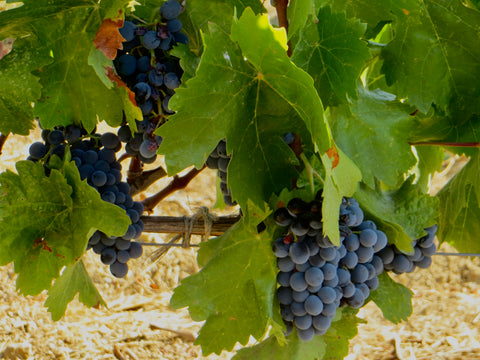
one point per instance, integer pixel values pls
(289, 328)
(181, 38)
(297, 281)
(37, 150)
(119, 269)
(316, 261)
(359, 274)
(314, 276)
(357, 300)
(299, 229)
(327, 295)
(348, 290)
(282, 217)
(297, 206)
(99, 178)
(424, 263)
(377, 263)
(297, 308)
(108, 256)
(321, 322)
(223, 164)
(401, 263)
(328, 254)
(142, 92)
(303, 267)
(306, 335)
(124, 134)
(143, 64)
(300, 296)
(286, 313)
(429, 251)
(165, 103)
(352, 242)
(174, 25)
(150, 40)
(109, 140)
(329, 271)
(387, 255)
(155, 78)
(171, 80)
(303, 322)
(373, 283)
(284, 295)
(299, 252)
(329, 310)
(127, 64)
(371, 271)
(283, 278)
(148, 149)
(109, 196)
(72, 133)
(170, 9)
(368, 238)
(56, 137)
(285, 264)
(365, 254)
(123, 256)
(344, 276)
(350, 260)
(382, 241)
(90, 157)
(128, 30)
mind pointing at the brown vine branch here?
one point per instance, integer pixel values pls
(3, 139)
(178, 183)
(281, 8)
(141, 182)
(135, 169)
(440, 143)
(176, 225)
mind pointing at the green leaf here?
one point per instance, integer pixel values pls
(19, 88)
(430, 54)
(430, 159)
(45, 222)
(341, 179)
(72, 92)
(235, 290)
(374, 133)
(74, 279)
(332, 345)
(459, 222)
(248, 102)
(297, 14)
(331, 51)
(402, 214)
(394, 299)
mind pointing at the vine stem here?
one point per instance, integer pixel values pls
(178, 183)
(3, 139)
(281, 8)
(142, 181)
(440, 143)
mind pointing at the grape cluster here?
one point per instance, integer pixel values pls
(317, 277)
(400, 263)
(219, 160)
(148, 69)
(96, 161)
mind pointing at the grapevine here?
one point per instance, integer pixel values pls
(324, 121)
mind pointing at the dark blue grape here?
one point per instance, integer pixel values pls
(368, 238)
(174, 25)
(37, 150)
(401, 263)
(127, 64)
(56, 137)
(306, 335)
(285, 264)
(142, 92)
(109, 196)
(314, 276)
(99, 178)
(128, 30)
(171, 80)
(357, 300)
(110, 140)
(181, 38)
(365, 254)
(150, 40)
(297, 281)
(313, 305)
(108, 256)
(329, 271)
(135, 250)
(321, 322)
(119, 269)
(303, 322)
(170, 9)
(284, 295)
(123, 256)
(300, 296)
(299, 252)
(424, 263)
(359, 274)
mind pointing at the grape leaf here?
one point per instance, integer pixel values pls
(45, 222)
(72, 92)
(332, 345)
(331, 51)
(234, 291)
(430, 56)
(376, 13)
(248, 102)
(459, 222)
(403, 213)
(380, 127)
(430, 159)
(341, 179)
(394, 299)
(74, 279)
(19, 88)
(297, 14)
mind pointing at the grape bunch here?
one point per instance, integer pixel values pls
(148, 70)
(400, 263)
(316, 277)
(219, 160)
(96, 161)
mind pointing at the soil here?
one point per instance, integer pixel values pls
(139, 324)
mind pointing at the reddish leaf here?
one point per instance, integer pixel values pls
(333, 155)
(118, 80)
(108, 38)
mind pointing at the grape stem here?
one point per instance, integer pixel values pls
(311, 172)
(144, 180)
(178, 183)
(3, 139)
(281, 8)
(440, 143)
